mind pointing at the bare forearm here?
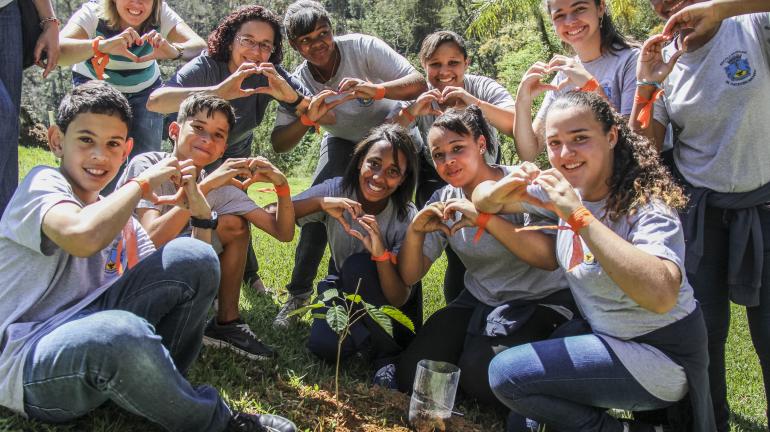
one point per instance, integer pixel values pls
(484, 201)
(411, 260)
(285, 138)
(202, 234)
(501, 118)
(406, 88)
(284, 219)
(74, 50)
(166, 227)
(393, 287)
(534, 248)
(307, 206)
(166, 100)
(730, 8)
(654, 132)
(645, 278)
(525, 139)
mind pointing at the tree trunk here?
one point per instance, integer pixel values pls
(536, 12)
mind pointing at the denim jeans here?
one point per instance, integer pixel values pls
(567, 383)
(10, 100)
(709, 281)
(133, 345)
(334, 158)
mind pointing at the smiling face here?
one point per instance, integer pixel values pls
(666, 8)
(458, 158)
(133, 13)
(317, 47)
(91, 151)
(446, 67)
(251, 33)
(380, 174)
(200, 138)
(580, 149)
(576, 22)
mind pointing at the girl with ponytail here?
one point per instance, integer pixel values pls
(504, 297)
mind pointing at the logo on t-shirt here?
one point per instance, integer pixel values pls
(365, 102)
(111, 266)
(607, 90)
(738, 68)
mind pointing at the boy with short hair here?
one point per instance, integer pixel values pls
(200, 134)
(83, 291)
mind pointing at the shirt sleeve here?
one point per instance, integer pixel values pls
(761, 24)
(144, 244)
(383, 62)
(628, 86)
(137, 166)
(399, 240)
(195, 73)
(22, 222)
(87, 17)
(285, 115)
(327, 188)
(492, 92)
(229, 200)
(656, 229)
(435, 242)
(168, 19)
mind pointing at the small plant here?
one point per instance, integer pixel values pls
(345, 311)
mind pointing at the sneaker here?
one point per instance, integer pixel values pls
(245, 422)
(282, 320)
(238, 337)
(637, 426)
(258, 287)
(386, 377)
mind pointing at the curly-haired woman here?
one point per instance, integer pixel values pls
(624, 255)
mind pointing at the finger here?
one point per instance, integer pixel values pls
(356, 234)
(239, 184)
(128, 54)
(464, 222)
(344, 223)
(675, 57)
(146, 57)
(445, 229)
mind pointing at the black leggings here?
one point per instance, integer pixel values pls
(445, 337)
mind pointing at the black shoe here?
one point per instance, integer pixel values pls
(245, 422)
(238, 337)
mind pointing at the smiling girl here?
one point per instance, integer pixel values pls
(366, 213)
(506, 301)
(623, 252)
(604, 63)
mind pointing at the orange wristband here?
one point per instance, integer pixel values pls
(380, 92)
(645, 114)
(386, 256)
(590, 86)
(283, 190)
(481, 223)
(144, 185)
(405, 112)
(579, 219)
(99, 60)
(305, 120)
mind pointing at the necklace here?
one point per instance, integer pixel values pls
(335, 64)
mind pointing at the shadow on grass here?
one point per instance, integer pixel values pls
(740, 422)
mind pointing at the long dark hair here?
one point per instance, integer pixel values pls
(467, 121)
(399, 139)
(638, 177)
(612, 40)
(222, 37)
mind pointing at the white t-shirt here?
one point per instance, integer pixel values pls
(123, 74)
(363, 57)
(717, 98)
(41, 285)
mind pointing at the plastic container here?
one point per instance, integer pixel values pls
(433, 397)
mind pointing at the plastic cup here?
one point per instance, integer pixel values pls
(433, 397)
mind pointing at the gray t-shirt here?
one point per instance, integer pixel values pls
(41, 285)
(616, 73)
(363, 57)
(494, 275)
(204, 71)
(481, 87)
(656, 230)
(342, 244)
(716, 99)
(224, 200)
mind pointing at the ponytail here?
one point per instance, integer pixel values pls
(467, 121)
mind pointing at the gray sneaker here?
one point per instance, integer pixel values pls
(282, 320)
(236, 336)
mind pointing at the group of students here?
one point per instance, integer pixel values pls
(602, 282)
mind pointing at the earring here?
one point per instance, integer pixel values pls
(601, 21)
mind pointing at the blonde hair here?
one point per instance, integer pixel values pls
(112, 17)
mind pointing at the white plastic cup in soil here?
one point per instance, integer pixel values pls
(433, 395)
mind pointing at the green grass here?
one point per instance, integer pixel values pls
(280, 386)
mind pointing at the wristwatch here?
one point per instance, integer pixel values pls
(205, 223)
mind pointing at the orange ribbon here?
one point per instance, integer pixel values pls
(645, 114)
(386, 256)
(305, 120)
(481, 223)
(129, 237)
(380, 92)
(579, 219)
(283, 190)
(590, 86)
(405, 112)
(99, 60)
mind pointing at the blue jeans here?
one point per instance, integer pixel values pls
(334, 158)
(132, 346)
(567, 383)
(709, 281)
(10, 100)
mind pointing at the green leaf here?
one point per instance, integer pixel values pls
(380, 318)
(337, 318)
(355, 298)
(319, 316)
(329, 294)
(398, 316)
(304, 309)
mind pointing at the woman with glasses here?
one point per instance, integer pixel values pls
(241, 65)
(121, 42)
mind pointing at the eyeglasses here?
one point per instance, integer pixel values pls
(249, 43)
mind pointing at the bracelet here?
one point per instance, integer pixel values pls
(144, 185)
(52, 19)
(283, 190)
(649, 83)
(294, 104)
(305, 120)
(481, 223)
(99, 60)
(409, 116)
(580, 218)
(590, 86)
(386, 256)
(179, 50)
(380, 92)
(645, 113)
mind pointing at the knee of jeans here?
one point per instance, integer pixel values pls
(124, 338)
(195, 259)
(510, 372)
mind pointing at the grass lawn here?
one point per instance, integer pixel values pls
(301, 387)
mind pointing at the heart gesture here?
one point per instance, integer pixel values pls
(467, 211)
(161, 48)
(230, 168)
(322, 104)
(457, 97)
(337, 207)
(696, 20)
(277, 86)
(562, 196)
(373, 240)
(431, 219)
(651, 66)
(573, 70)
(260, 170)
(532, 85)
(513, 189)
